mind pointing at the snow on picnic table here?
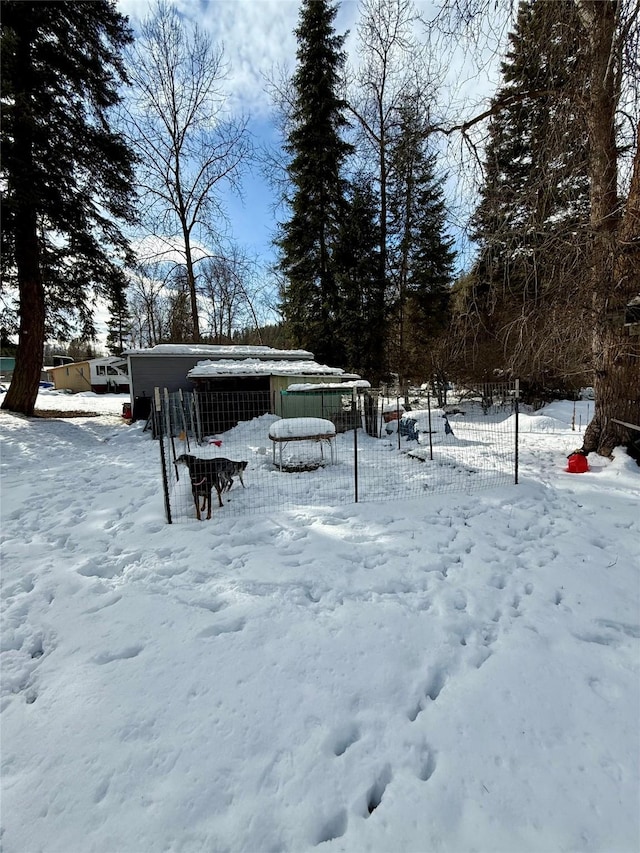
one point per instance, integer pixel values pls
(455, 673)
(288, 428)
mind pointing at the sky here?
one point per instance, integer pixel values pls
(456, 673)
(258, 39)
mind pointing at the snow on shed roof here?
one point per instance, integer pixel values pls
(328, 386)
(259, 367)
(215, 352)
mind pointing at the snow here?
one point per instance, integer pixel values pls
(328, 386)
(426, 422)
(301, 428)
(455, 673)
(263, 367)
(232, 351)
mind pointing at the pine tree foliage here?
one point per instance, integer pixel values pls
(361, 289)
(67, 175)
(317, 204)
(421, 255)
(533, 218)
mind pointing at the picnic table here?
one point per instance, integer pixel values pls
(302, 429)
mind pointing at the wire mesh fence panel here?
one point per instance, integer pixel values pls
(265, 474)
(468, 443)
(329, 450)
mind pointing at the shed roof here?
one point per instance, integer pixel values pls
(218, 352)
(259, 367)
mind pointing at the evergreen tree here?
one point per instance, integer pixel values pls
(119, 326)
(421, 255)
(67, 175)
(361, 290)
(307, 243)
(532, 221)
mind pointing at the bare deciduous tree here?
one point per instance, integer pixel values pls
(391, 69)
(230, 296)
(189, 149)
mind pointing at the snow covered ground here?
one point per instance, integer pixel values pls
(452, 673)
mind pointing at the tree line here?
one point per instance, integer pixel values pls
(105, 135)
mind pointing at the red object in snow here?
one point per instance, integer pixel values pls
(126, 411)
(577, 464)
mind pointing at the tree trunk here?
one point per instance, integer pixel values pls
(614, 272)
(22, 393)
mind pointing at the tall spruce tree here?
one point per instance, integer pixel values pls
(317, 151)
(533, 218)
(361, 289)
(67, 175)
(421, 257)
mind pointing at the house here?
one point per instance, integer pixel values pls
(101, 375)
(7, 364)
(257, 374)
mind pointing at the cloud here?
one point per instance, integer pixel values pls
(257, 36)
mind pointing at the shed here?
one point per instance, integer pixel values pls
(330, 400)
(252, 370)
(233, 390)
(101, 375)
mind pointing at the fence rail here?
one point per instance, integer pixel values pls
(384, 447)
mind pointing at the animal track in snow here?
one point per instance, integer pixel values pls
(598, 639)
(335, 827)
(460, 600)
(432, 690)
(124, 654)
(101, 791)
(108, 601)
(376, 792)
(227, 628)
(344, 738)
(427, 764)
(623, 627)
(480, 656)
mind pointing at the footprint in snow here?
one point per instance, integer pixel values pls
(335, 827)
(343, 738)
(226, 628)
(432, 689)
(376, 791)
(427, 764)
(124, 654)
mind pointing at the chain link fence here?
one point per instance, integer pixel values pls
(330, 447)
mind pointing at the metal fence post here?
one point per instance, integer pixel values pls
(354, 411)
(429, 416)
(157, 419)
(517, 410)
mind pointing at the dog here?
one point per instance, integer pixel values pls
(205, 475)
(231, 469)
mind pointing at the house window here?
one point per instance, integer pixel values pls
(100, 370)
(112, 371)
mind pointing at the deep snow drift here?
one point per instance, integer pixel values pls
(453, 673)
